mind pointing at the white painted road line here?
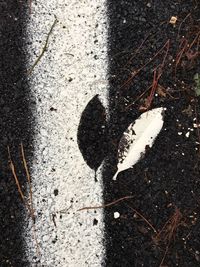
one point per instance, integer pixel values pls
(70, 73)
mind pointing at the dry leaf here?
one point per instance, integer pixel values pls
(139, 135)
(91, 134)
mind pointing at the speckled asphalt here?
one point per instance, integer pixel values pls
(69, 113)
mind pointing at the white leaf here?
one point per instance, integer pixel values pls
(138, 136)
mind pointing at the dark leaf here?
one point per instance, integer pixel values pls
(92, 133)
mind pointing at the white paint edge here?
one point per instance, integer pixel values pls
(79, 243)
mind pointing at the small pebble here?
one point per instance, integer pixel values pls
(116, 215)
(187, 134)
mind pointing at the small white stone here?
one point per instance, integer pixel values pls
(116, 215)
(187, 134)
(179, 133)
(195, 125)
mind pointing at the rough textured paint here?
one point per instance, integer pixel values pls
(71, 72)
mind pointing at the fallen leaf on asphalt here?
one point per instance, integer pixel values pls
(92, 133)
(138, 136)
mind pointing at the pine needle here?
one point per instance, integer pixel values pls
(30, 197)
(12, 167)
(29, 181)
(44, 48)
(106, 205)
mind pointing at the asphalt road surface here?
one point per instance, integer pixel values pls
(74, 75)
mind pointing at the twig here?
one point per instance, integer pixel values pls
(158, 71)
(29, 181)
(183, 48)
(143, 218)
(12, 167)
(143, 42)
(31, 198)
(106, 205)
(44, 48)
(165, 254)
(169, 228)
(136, 72)
(168, 231)
(27, 205)
(138, 98)
(137, 50)
(194, 41)
(179, 28)
(156, 78)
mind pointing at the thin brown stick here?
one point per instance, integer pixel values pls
(12, 167)
(194, 41)
(106, 205)
(27, 205)
(168, 231)
(154, 87)
(138, 98)
(136, 72)
(137, 50)
(179, 28)
(44, 48)
(158, 71)
(183, 48)
(156, 78)
(30, 197)
(170, 227)
(143, 42)
(29, 181)
(144, 219)
(164, 256)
